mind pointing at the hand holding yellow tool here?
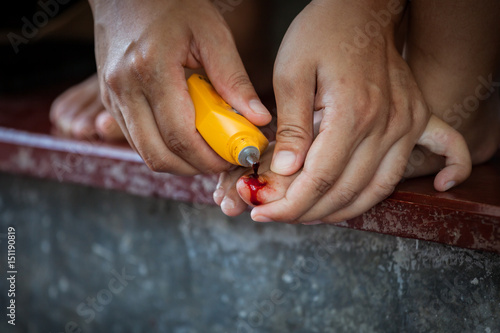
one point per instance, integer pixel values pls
(231, 135)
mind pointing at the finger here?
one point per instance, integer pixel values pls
(383, 183)
(356, 176)
(323, 166)
(227, 73)
(268, 187)
(174, 116)
(295, 106)
(442, 139)
(143, 133)
(112, 107)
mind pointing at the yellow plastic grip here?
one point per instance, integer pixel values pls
(225, 130)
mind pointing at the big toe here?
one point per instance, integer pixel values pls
(107, 127)
(264, 189)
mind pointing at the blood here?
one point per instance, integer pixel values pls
(255, 168)
(254, 184)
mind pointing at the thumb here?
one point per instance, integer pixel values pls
(440, 138)
(227, 74)
(295, 104)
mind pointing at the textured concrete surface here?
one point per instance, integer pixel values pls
(93, 260)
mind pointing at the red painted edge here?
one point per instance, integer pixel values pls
(422, 214)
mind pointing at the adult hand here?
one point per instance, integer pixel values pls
(374, 114)
(142, 48)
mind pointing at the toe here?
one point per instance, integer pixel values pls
(107, 127)
(232, 205)
(83, 125)
(226, 195)
(69, 111)
(268, 187)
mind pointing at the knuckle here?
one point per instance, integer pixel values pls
(398, 123)
(112, 80)
(155, 163)
(384, 189)
(290, 133)
(363, 105)
(140, 65)
(322, 182)
(345, 196)
(238, 80)
(176, 145)
(366, 112)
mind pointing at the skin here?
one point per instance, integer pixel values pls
(142, 82)
(233, 195)
(375, 112)
(78, 112)
(448, 76)
(435, 69)
(373, 109)
(70, 111)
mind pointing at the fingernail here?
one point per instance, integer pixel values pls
(449, 185)
(283, 162)
(258, 107)
(263, 219)
(227, 204)
(218, 194)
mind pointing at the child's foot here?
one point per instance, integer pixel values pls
(79, 112)
(238, 188)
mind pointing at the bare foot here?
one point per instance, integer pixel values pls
(234, 193)
(79, 112)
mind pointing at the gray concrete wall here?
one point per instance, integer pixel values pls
(91, 260)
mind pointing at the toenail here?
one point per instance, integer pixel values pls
(218, 194)
(227, 204)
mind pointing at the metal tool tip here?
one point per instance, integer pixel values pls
(248, 156)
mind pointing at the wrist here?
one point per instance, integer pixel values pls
(370, 16)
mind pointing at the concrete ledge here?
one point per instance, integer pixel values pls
(93, 260)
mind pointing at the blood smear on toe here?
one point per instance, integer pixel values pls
(254, 184)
